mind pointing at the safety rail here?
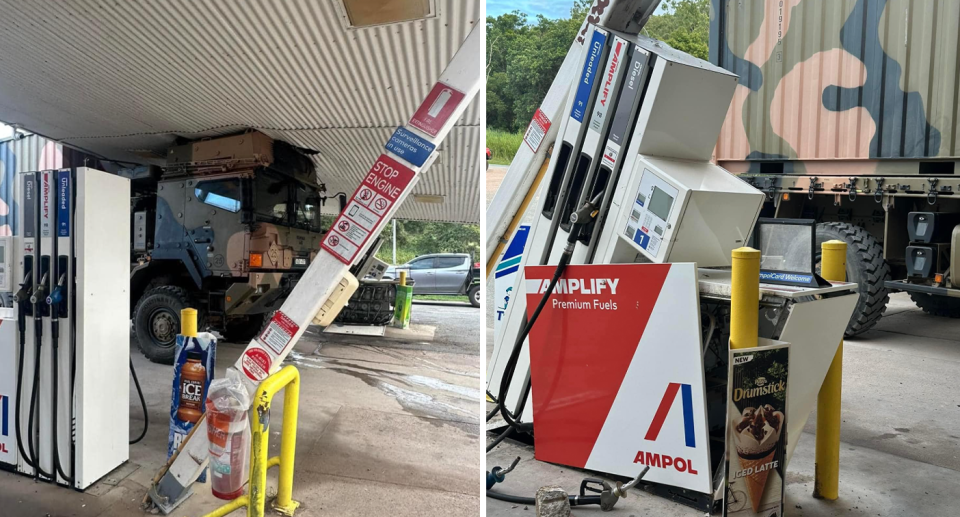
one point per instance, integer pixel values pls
(254, 500)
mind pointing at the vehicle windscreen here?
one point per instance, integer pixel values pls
(282, 201)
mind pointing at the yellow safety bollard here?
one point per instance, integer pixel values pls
(287, 379)
(744, 297)
(833, 267)
(188, 322)
(403, 277)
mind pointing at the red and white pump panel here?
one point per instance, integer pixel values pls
(617, 372)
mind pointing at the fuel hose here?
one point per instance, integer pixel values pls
(581, 217)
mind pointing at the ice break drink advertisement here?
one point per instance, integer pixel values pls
(756, 432)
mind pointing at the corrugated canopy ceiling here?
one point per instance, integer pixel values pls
(124, 79)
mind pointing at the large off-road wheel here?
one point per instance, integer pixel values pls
(937, 305)
(865, 267)
(242, 330)
(474, 295)
(156, 321)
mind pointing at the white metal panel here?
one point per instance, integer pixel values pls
(103, 327)
(814, 329)
(124, 79)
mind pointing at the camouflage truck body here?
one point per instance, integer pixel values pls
(228, 225)
(847, 113)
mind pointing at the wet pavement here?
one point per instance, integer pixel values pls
(388, 426)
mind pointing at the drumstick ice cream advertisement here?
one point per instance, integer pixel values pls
(756, 432)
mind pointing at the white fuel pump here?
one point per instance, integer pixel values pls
(648, 195)
(70, 423)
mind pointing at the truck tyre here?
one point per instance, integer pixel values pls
(242, 330)
(474, 295)
(937, 305)
(866, 267)
(156, 322)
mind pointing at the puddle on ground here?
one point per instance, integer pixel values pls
(414, 402)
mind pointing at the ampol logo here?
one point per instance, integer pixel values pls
(4, 418)
(665, 404)
(653, 459)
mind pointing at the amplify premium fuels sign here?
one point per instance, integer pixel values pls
(638, 400)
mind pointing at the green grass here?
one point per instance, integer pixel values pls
(503, 145)
(442, 297)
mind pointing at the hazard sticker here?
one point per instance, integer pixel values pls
(437, 108)
(371, 203)
(361, 215)
(365, 195)
(380, 205)
(279, 333)
(537, 130)
(256, 364)
(352, 231)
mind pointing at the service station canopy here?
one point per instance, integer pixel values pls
(123, 80)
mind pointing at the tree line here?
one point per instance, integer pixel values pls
(524, 53)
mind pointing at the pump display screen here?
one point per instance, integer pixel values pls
(660, 203)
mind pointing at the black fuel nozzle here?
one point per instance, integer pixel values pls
(23, 295)
(497, 474)
(580, 218)
(609, 495)
(40, 293)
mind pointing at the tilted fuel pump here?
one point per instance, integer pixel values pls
(72, 326)
(614, 318)
(329, 280)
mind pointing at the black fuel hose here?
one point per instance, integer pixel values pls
(21, 328)
(575, 500)
(55, 334)
(143, 404)
(581, 217)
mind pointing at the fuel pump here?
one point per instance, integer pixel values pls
(644, 193)
(67, 426)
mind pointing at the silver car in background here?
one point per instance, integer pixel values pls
(440, 273)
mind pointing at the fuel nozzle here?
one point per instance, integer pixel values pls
(23, 295)
(56, 296)
(497, 474)
(609, 495)
(40, 292)
(587, 211)
(580, 218)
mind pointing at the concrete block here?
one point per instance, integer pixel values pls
(552, 501)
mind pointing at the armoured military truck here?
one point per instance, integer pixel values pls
(847, 113)
(228, 225)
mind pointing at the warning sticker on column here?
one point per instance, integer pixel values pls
(365, 195)
(340, 246)
(380, 205)
(279, 332)
(361, 215)
(371, 203)
(537, 130)
(352, 231)
(256, 364)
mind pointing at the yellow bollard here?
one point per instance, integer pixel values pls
(826, 485)
(403, 277)
(287, 379)
(744, 298)
(188, 322)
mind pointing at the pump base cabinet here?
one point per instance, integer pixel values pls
(73, 334)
